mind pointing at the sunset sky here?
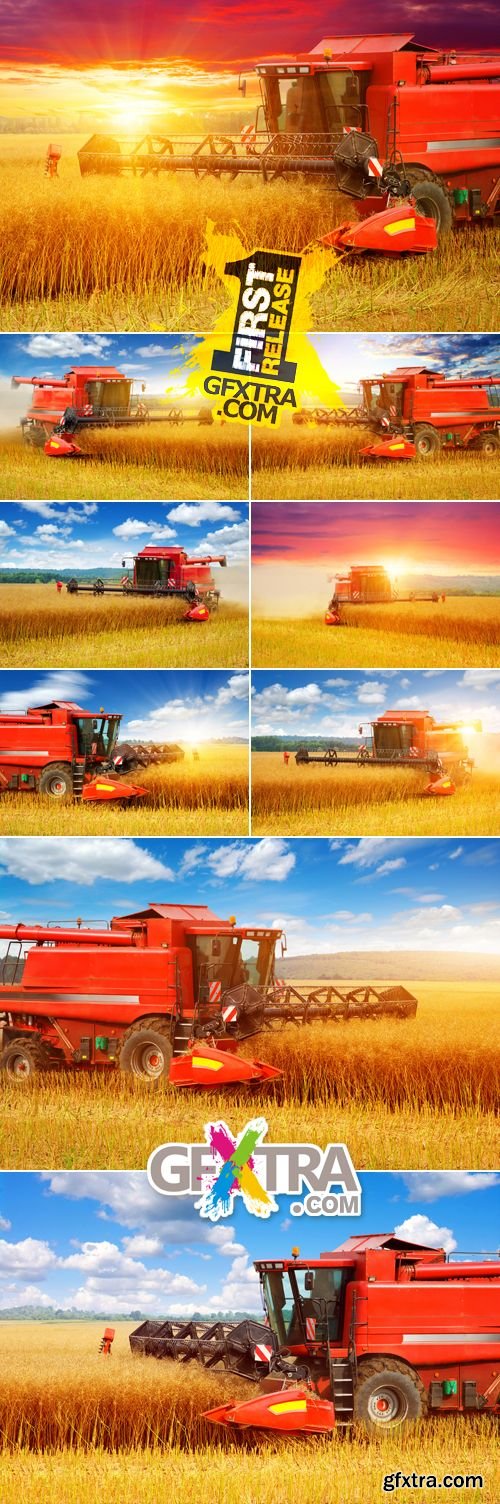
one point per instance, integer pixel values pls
(437, 537)
(141, 64)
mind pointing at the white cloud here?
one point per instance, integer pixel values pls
(267, 861)
(456, 853)
(371, 694)
(31, 1258)
(141, 1246)
(80, 861)
(369, 851)
(194, 513)
(67, 685)
(420, 1229)
(6, 531)
(432, 1185)
(59, 511)
(135, 527)
(68, 346)
(4, 1224)
(391, 866)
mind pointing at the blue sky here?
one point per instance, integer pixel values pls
(156, 705)
(96, 535)
(336, 704)
(151, 358)
(368, 894)
(349, 357)
(106, 1241)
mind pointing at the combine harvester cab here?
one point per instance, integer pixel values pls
(381, 1332)
(166, 992)
(62, 752)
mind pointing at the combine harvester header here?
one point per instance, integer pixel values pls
(380, 1332)
(411, 132)
(168, 991)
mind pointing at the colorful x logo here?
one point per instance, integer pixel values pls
(236, 1174)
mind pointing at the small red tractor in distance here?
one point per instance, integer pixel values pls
(409, 739)
(368, 584)
(63, 752)
(166, 573)
(85, 397)
(381, 1332)
(411, 132)
(418, 412)
(167, 991)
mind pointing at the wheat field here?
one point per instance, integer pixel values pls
(306, 800)
(205, 797)
(79, 1426)
(307, 463)
(98, 253)
(459, 632)
(78, 631)
(400, 1093)
(154, 462)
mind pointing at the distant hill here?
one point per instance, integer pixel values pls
(39, 1313)
(374, 965)
(320, 743)
(46, 576)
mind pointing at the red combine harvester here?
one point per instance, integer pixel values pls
(165, 573)
(368, 584)
(85, 397)
(63, 752)
(411, 132)
(418, 412)
(168, 991)
(409, 739)
(381, 1332)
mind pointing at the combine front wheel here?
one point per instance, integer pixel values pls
(426, 440)
(388, 1395)
(433, 201)
(146, 1050)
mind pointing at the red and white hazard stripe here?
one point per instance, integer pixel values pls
(310, 1328)
(248, 135)
(230, 1014)
(262, 1354)
(215, 992)
(280, 986)
(375, 168)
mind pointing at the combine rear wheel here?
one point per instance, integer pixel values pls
(387, 1395)
(488, 443)
(23, 1058)
(426, 440)
(146, 1050)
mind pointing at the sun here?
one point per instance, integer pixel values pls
(396, 568)
(132, 115)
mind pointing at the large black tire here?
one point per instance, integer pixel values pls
(387, 1395)
(23, 1058)
(427, 440)
(433, 200)
(488, 443)
(56, 781)
(146, 1050)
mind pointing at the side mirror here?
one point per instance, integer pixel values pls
(284, 946)
(360, 729)
(124, 561)
(309, 1280)
(242, 86)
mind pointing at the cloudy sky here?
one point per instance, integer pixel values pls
(336, 704)
(348, 358)
(156, 705)
(155, 359)
(91, 534)
(405, 536)
(105, 1241)
(221, 30)
(369, 894)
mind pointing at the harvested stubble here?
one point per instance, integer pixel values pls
(95, 253)
(80, 631)
(76, 1426)
(152, 462)
(321, 463)
(461, 631)
(199, 798)
(315, 800)
(402, 1093)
